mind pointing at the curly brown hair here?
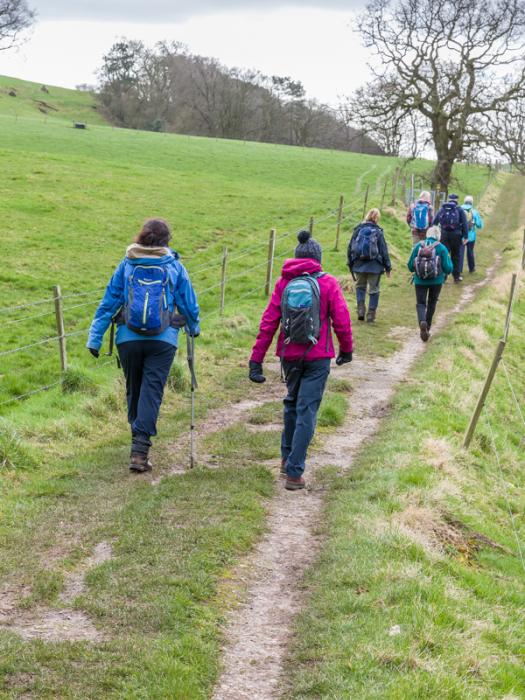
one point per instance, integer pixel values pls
(154, 233)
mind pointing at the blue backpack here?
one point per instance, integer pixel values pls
(449, 219)
(146, 309)
(420, 216)
(301, 310)
(366, 244)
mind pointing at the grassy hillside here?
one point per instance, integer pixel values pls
(21, 98)
(70, 202)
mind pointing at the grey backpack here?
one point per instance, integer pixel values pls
(301, 310)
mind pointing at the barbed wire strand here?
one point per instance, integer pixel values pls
(505, 492)
(9, 309)
(31, 393)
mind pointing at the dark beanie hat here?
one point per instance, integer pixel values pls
(308, 247)
(453, 197)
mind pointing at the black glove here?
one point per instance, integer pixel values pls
(256, 372)
(343, 358)
(94, 352)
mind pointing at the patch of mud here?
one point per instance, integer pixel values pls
(56, 624)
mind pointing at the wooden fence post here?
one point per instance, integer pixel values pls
(365, 203)
(269, 269)
(394, 187)
(384, 194)
(223, 279)
(509, 306)
(484, 392)
(339, 221)
(412, 188)
(59, 314)
(523, 253)
(311, 225)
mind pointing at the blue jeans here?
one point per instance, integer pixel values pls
(146, 365)
(305, 382)
(470, 256)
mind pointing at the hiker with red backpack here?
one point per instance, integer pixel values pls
(368, 259)
(306, 303)
(142, 298)
(474, 222)
(430, 262)
(452, 220)
(419, 217)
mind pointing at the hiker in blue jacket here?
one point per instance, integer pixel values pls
(368, 259)
(147, 289)
(452, 220)
(430, 262)
(474, 222)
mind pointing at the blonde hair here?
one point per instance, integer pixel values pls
(425, 196)
(373, 215)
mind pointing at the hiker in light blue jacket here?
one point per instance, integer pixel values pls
(147, 289)
(475, 223)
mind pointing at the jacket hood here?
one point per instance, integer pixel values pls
(293, 267)
(137, 251)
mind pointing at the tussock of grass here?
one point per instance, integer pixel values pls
(333, 410)
(14, 454)
(178, 380)
(270, 412)
(239, 444)
(78, 380)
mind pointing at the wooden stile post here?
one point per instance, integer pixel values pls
(311, 225)
(365, 203)
(59, 314)
(269, 269)
(339, 221)
(223, 279)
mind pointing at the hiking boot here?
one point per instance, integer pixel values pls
(140, 463)
(282, 471)
(361, 311)
(294, 484)
(423, 331)
(371, 315)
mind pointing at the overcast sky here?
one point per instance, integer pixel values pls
(310, 40)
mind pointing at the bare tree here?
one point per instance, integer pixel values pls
(15, 17)
(453, 62)
(508, 134)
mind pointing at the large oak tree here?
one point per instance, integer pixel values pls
(455, 64)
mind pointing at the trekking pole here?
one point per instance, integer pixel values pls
(190, 348)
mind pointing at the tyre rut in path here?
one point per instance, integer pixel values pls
(259, 631)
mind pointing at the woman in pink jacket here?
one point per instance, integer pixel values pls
(306, 365)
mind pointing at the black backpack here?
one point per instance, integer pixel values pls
(428, 263)
(450, 218)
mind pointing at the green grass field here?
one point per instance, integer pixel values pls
(71, 201)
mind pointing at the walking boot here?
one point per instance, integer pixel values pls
(140, 463)
(424, 333)
(294, 484)
(361, 311)
(371, 315)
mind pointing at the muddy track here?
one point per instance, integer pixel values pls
(259, 631)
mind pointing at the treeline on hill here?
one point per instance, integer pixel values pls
(169, 89)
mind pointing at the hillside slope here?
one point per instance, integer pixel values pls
(21, 98)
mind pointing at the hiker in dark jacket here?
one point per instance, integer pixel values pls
(148, 287)
(452, 220)
(306, 366)
(368, 259)
(432, 270)
(419, 217)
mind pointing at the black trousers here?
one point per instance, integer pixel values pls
(452, 241)
(146, 365)
(426, 301)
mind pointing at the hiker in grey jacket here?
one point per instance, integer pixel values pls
(368, 259)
